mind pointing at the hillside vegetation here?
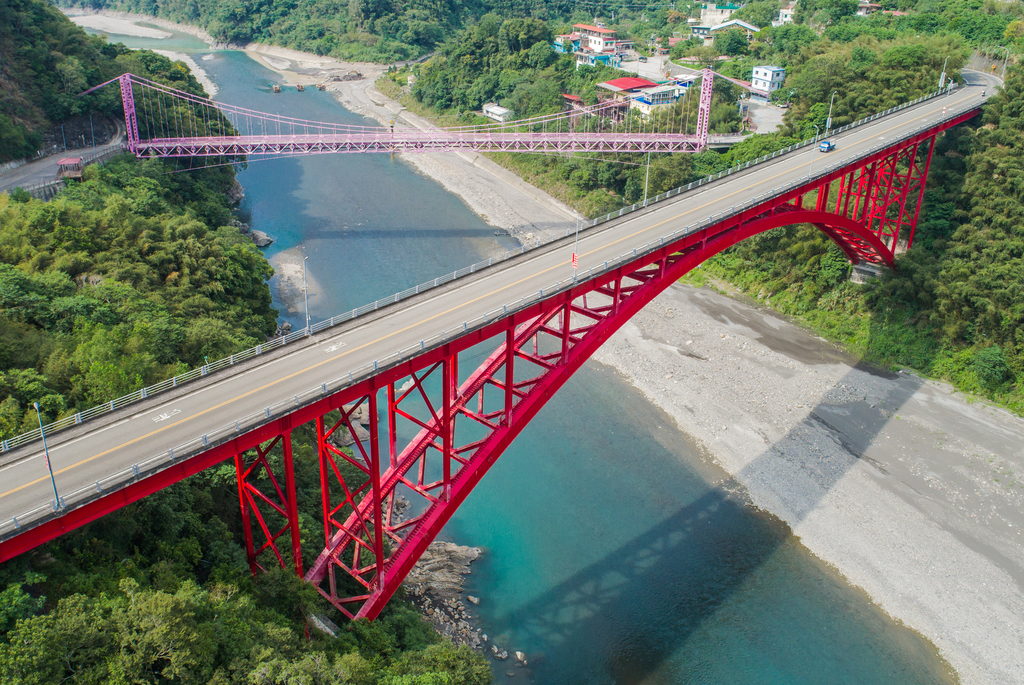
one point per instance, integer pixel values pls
(365, 30)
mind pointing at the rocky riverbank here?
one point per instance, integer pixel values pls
(436, 585)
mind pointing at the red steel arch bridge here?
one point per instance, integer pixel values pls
(433, 423)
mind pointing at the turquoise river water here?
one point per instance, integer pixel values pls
(609, 555)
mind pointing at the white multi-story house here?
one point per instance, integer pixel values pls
(767, 79)
(785, 15)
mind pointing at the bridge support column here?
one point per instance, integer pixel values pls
(130, 120)
(269, 503)
(352, 503)
(921, 178)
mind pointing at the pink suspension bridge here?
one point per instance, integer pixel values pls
(164, 122)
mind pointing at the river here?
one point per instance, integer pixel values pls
(615, 551)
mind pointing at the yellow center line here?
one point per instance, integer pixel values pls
(418, 323)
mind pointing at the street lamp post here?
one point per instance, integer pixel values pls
(942, 76)
(46, 454)
(828, 121)
(945, 101)
(305, 292)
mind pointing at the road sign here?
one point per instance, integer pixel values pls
(574, 260)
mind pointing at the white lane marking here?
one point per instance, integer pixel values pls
(166, 415)
(86, 436)
(335, 347)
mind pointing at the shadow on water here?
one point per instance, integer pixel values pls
(627, 618)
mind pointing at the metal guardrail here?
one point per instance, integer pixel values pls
(158, 462)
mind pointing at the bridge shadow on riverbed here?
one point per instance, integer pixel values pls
(377, 231)
(628, 617)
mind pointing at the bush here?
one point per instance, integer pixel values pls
(991, 367)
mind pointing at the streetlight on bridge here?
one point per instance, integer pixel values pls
(949, 87)
(46, 454)
(1002, 75)
(575, 247)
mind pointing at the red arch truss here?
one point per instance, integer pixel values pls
(427, 432)
(463, 422)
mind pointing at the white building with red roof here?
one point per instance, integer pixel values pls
(592, 44)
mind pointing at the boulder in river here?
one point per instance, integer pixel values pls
(261, 239)
(236, 193)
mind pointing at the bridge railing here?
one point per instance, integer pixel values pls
(178, 453)
(143, 393)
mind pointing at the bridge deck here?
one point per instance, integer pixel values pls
(137, 433)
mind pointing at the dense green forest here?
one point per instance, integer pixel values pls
(123, 279)
(367, 30)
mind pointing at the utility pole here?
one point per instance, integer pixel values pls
(46, 453)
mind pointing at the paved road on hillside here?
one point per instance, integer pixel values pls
(45, 170)
(137, 435)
